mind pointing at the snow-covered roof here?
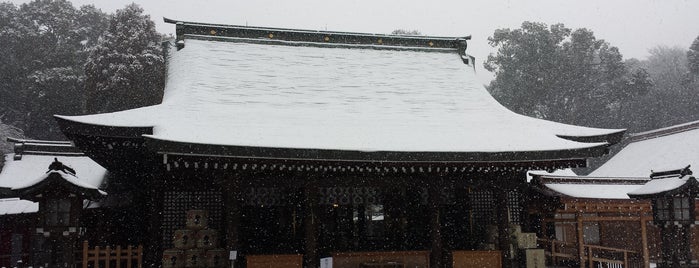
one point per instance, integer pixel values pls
(657, 186)
(257, 92)
(557, 172)
(589, 187)
(31, 168)
(661, 149)
(17, 206)
(66, 176)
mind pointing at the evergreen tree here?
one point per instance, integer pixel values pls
(12, 70)
(42, 69)
(126, 68)
(5, 146)
(693, 57)
(672, 95)
(560, 74)
(405, 32)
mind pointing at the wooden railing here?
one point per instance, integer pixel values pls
(562, 253)
(112, 257)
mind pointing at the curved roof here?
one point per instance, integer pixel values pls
(261, 93)
(32, 168)
(588, 187)
(9, 206)
(662, 186)
(27, 167)
(661, 149)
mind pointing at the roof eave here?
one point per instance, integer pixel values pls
(5, 192)
(691, 186)
(71, 127)
(251, 152)
(51, 183)
(612, 138)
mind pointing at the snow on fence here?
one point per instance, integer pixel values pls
(118, 257)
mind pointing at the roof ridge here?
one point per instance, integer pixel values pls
(184, 28)
(43, 147)
(18, 140)
(656, 133)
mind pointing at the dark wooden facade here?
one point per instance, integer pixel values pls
(320, 208)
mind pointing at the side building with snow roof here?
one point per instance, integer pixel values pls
(597, 209)
(372, 149)
(56, 170)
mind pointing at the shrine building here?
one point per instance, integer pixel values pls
(324, 144)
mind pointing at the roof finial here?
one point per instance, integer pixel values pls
(58, 166)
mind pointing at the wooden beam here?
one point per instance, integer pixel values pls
(644, 243)
(581, 240)
(601, 218)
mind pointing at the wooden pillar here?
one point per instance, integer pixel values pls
(232, 216)
(665, 244)
(394, 209)
(361, 226)
(310, 221)
(153, 250)
(581, 239)
(435, 226)
(503, 219)
(644, 241)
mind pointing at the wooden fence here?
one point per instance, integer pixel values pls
(561, 252)
(107, 257)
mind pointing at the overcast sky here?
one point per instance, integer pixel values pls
(632, 25)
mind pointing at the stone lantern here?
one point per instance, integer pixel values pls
(672, 194)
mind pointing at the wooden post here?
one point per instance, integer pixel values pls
(86, 247)
(503, 219)
(97, 257)
(554, 257)
(590, 263)
(310, 257)
(435, 226)
(394, 207)
(140, 256)
(118, 257)
(107, 252)
(154, 209)
(232, 214)
(581, 240)
(129, 252)
(644, 242)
